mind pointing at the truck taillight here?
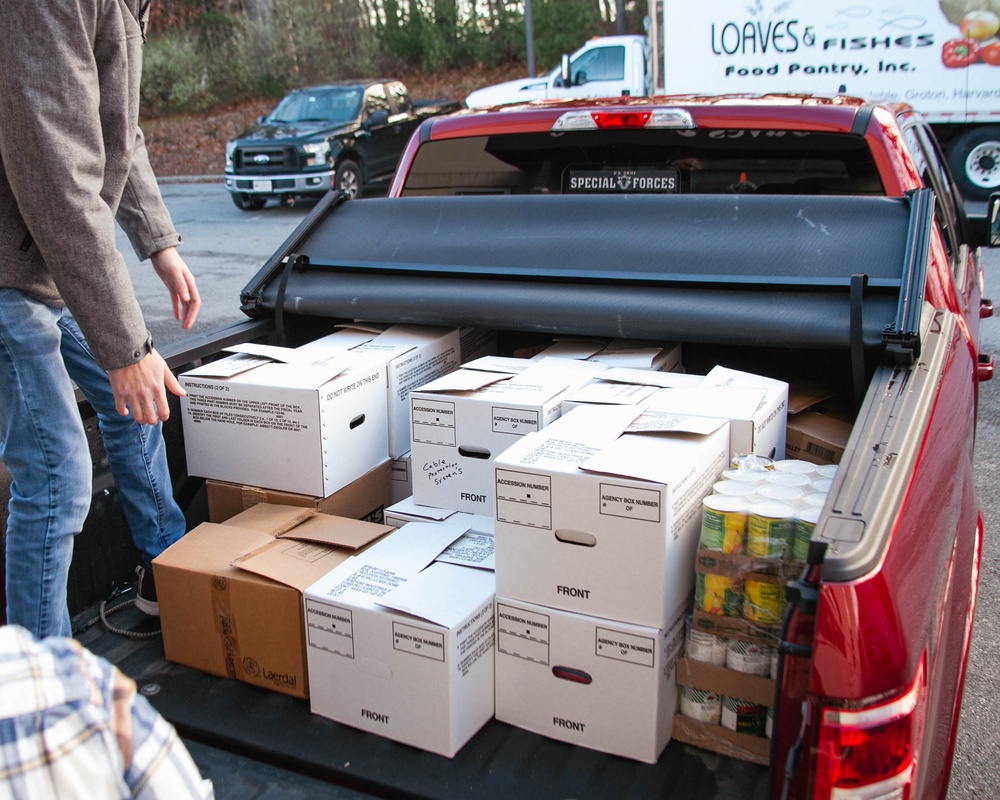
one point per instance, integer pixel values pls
(871, 753)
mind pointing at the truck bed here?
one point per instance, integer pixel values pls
(255, 743)
(820, 306)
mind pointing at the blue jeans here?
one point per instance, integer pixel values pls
(44, 447)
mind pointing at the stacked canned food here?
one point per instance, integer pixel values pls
(756, 529)
(728, 710)
(765, 510)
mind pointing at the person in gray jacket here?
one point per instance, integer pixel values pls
(72, 161)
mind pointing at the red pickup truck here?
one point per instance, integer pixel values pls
(805, 239)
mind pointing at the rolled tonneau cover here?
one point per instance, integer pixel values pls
(765, 270)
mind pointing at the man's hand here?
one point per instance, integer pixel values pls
(176, 276)
(142, 388)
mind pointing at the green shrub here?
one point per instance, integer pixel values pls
(174, 77)
(230, 51)
(561, 26)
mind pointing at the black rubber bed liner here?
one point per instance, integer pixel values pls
(254, 743)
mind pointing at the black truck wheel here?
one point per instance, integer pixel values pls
(974, 158)
(248, 202)
(348, 178)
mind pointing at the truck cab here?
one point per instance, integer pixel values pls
(605, 66)
(343, 136)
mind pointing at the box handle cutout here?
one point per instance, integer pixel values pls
(571, 674)
(356, 422)
(474, 452)
(581, 538)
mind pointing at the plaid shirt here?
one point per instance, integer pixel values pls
(72, 726)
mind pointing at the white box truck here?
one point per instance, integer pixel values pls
(941, 56)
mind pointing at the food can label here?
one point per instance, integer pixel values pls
(719, 594)
(801, 538)
(701, 705)
(723, 525)
(707, 647)
(743, 717)
(763, 601)
(748, 657)
(769, 537)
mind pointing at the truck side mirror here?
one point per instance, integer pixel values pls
(564, 76)
(993, 220)
(377, 118)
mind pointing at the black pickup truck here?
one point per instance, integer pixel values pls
(343, 136)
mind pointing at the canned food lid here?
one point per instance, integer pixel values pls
(788, 479)
(751, 461)
(774, 491)
(775, 509)
(726, 504)
(810, 514)
(795, 465)
(815, 499)
(745, 475)
(734, 488)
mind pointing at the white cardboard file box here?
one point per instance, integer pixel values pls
(291, 425)
(398, 514)
(414, 355)
(403, 647)
(626, 386)
(760, 430)
(478, 343)
(597, 683)
(657, 356)
(596, 517)
(462, 421)
(473, 549)
(625, 353)
(401, 478)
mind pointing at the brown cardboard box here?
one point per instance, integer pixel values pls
(230, 595)
(803, 395)
(819, 438)
(364, 498)
(726, 683)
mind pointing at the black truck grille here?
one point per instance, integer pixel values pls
(265, 160)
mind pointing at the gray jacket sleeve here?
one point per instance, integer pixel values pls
(74, 159)
(142, 214)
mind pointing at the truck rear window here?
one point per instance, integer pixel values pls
(690, 162)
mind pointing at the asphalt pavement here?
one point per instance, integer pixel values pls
(976, 769)
(225, 247)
